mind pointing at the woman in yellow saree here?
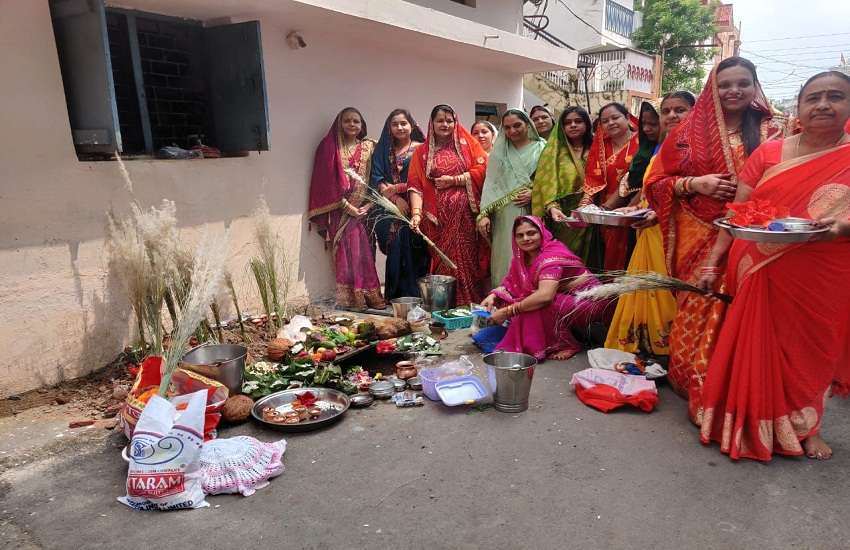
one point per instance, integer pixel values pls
(643, 319)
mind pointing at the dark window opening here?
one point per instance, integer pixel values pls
(491, 112)
(135, 82)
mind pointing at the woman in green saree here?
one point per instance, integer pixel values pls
(559, 180)
(507, 188)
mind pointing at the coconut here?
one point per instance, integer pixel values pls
(278, 348)
(237, 409)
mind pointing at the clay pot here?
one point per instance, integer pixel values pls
(405, 370)
(278, 348)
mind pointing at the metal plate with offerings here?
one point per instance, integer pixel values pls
(324, 405)
(780, 231)
(609, 217)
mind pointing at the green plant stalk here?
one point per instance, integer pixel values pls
(172, 310)
(217, 317)
(229, 282)
(260, 275)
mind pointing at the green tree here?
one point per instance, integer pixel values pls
(669, 28)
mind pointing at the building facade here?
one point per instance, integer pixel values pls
(93, 80)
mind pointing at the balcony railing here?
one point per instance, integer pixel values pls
(619, 19)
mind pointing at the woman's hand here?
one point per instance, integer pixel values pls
(648, 221)
(363, 210)
(837, 229)
(352, 210)
(717, 186)
(415, 220)
(708, 275)
(500, 315)
(523, 198)
(489, 302)
(401, 204)
(444, 182)
(484, 227)
(387, 190)
(557, 215)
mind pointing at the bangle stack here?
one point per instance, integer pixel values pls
(710, 270)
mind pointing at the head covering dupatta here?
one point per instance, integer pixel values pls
(509, 170)
(596, 178)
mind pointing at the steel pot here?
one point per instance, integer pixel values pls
(222, 362)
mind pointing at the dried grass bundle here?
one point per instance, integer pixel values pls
(228, 282)
(624, 282)
(206, 280)
(392, 212)
(271, 268)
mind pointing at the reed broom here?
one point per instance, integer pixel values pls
(394, 213)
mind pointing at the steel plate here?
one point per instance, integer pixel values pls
(602, 218)
(766, 236)
(333, 403)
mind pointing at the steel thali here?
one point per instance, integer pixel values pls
(333, 404)
(799, 231)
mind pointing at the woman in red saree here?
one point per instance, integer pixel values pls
(445, 180)
(338, 208)
(784, 345)
(542, 318)
(611, 153)
(695, 173)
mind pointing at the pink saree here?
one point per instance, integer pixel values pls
(549, 330)
(357, 283)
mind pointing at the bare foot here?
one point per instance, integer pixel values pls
(817, 448)
(563, 355)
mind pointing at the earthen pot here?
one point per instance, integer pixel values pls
(405, 370)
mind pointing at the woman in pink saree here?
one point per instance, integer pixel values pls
(536, 295)
(338, 208)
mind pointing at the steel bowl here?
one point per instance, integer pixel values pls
(606, 218)
(399, 384)
(382, 389)
(221, 362)
(415, 383)
(361, 400)
(333, 404)
(796, 235)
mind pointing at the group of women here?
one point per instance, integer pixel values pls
(755, 372)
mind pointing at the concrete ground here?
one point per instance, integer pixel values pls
(559, 475)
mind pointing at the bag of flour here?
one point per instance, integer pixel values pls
(164, 455)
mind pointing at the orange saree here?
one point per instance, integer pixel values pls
(786, 338)
(700, 145)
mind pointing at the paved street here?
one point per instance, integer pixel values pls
(557, 476)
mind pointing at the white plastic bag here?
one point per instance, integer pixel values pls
(165, 470)
(417, 315)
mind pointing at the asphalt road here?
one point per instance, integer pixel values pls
(559, 475)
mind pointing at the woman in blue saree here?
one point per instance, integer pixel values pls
(406, 252)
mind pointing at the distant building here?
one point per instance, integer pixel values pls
(610, 68)
(727, 36)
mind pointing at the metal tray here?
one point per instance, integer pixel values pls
(765, 236)
(603, 218)
(333, 403)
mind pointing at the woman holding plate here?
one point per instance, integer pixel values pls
(784, 346)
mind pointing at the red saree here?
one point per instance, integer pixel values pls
(449, 214)
(357, 283)
(785, 341)
(604, 170)
(700, 145)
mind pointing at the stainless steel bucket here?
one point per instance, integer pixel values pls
(511, 374)
(222, 362)
(438, 292)
(402, 306)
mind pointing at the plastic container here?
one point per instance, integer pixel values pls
(447, 371)
(453, 323)
(463, 390)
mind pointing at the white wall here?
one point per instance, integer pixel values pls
(502, 14)
(60, 313)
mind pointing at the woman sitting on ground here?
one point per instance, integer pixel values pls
(536, 295)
